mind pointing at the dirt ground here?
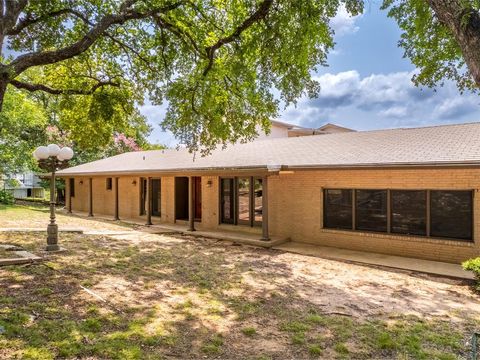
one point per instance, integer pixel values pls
(135, 295)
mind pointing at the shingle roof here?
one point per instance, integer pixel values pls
(435, 145)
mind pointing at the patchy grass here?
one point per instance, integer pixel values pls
(181, 297)
(249, 331)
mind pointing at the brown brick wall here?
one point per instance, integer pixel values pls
(296, 205)
(296, 209)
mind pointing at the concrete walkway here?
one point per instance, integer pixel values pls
(396, 262)
(240, 237)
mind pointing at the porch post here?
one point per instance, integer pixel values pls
(191, 204)
(149, 201)
(70, 194)
(265, 235)
(116, 200)
(90, 197)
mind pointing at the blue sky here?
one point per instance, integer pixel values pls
(366, 85)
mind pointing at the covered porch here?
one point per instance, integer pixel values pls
(233, 205)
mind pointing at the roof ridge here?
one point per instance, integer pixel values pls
(419, 127)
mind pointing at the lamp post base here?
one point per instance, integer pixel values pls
(53, 247)
(52, 238)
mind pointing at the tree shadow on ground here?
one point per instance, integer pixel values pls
(184, 298)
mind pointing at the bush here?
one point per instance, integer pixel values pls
(6, 197)
(473, 265)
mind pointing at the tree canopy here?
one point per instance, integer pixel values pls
(22, 124)
(441, 38)
(218, 63)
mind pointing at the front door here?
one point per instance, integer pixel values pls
(156, 193)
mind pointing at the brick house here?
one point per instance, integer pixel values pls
(408, 192)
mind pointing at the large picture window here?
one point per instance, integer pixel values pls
(338, 209)
(371, 210)
(451, 214)
(432, 213)
(409, 212)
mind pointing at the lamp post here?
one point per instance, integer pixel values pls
(52, 158)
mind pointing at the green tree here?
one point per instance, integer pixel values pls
(22, 124)
(216, 62)
(442, 38)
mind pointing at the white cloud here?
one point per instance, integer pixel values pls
(395, 112)
(388, 99)
(343, 23)
(452, 107)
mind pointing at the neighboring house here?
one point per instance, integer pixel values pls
(282, 130)
(408, 192)
(23, 185)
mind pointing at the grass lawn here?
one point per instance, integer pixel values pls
(144, 296)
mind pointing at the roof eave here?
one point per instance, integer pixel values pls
(282, 167)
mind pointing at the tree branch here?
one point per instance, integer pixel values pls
(47, 89)
(26, 61)
(28, 21)
(260, 14)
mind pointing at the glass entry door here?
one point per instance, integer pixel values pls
(241, 200)
(244, 195)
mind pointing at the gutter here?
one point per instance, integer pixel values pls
(169, 171)
(277, 168)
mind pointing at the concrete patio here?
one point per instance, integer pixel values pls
(396, 262)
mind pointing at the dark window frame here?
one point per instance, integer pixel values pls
(235, 198)
(109, 183)
(471, 210)
(426, 194)
(389, 213)
(352, 202)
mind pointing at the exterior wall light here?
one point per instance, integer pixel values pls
(52, 158)
(209, 183)
(134, 182)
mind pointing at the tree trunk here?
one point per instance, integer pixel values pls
(3, 89)
(464, 23)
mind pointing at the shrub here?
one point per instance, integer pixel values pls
(6, 197)
(473, 265)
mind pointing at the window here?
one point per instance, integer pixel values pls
(109, 183)
(227, 201)
(338, 209)
(371, 210)
(409, 212)
(241, 200)
(448, 213)
(72, 187)
(257, 200)
(451, 214)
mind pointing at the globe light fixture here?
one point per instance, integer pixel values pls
(52, 158)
